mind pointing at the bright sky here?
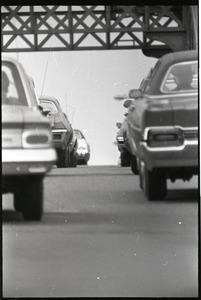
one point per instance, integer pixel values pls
(85, 83)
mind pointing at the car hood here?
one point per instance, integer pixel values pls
(180, 111)
(19, 115)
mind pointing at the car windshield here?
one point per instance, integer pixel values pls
(12, 90)
(181, 77)
(49, 105)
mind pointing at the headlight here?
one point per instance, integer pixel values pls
(164, 138)
(82, 151)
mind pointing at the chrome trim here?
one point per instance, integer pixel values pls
(120, 139)
(166, 96)
(173, 148)
(161, 129)
(28, 155)
(59, 130)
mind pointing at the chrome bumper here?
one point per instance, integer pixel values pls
(27, 161)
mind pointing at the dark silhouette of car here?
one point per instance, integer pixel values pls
(83, 148)
(64, 139)
(162, 126)
(125, 157)
(27, 150)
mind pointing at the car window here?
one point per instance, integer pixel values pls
(12, 89)
(78, 134)
(49, 105)
(181, 77)
(147, 82)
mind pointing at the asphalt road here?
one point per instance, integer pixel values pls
(100, 237)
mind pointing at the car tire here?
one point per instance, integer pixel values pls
(125, 159)
(154, 184)
(73, 159)
(18, 201)
(32, 195)
(63, 158)
(134, 167)
(141, 183)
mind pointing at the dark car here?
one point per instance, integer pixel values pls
(163, 123)
(64, 139)
(27, 150)
(125, 157)
(83, 148)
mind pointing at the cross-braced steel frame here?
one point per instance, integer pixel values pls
(154, 29)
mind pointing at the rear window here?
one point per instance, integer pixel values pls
(78, 134)
(181, 77)
(12, 90)
(49, 105)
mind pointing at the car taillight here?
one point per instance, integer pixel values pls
(120, 139)
(169, 138)
(36, 138)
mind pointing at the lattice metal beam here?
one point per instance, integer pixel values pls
(61, 28)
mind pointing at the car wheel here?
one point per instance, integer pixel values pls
(141, 184)
(73, 160)
(63, 158)
(154, 184)
(125, 159)
(134, 167)
(32, 195)
(18, 201)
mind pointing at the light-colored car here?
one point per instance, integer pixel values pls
(64, 139)
(83, 148)
(27, 150)
(163, 123)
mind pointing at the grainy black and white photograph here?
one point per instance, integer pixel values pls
(100, 172)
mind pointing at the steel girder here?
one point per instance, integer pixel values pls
(154, 29)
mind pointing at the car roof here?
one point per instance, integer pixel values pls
(163, 64)
(179, 56)
(49, 98)
(27, 81)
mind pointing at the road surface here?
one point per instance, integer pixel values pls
(100, 237)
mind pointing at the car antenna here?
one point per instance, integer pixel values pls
(45, 73)
(66, 104)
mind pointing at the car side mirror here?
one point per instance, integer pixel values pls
(120, 97)
(44, 111)
(128, 103)
(135, 93)
(118, 124)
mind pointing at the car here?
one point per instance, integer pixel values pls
(27, 150)
(163, 123)
(64, 139)
(83, 148)
(125, 157)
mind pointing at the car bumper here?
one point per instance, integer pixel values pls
(27, 161)
(187, 157)
(82, 157)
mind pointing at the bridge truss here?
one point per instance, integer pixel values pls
(154, 29)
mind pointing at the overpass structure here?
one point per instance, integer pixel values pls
(154, 29)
